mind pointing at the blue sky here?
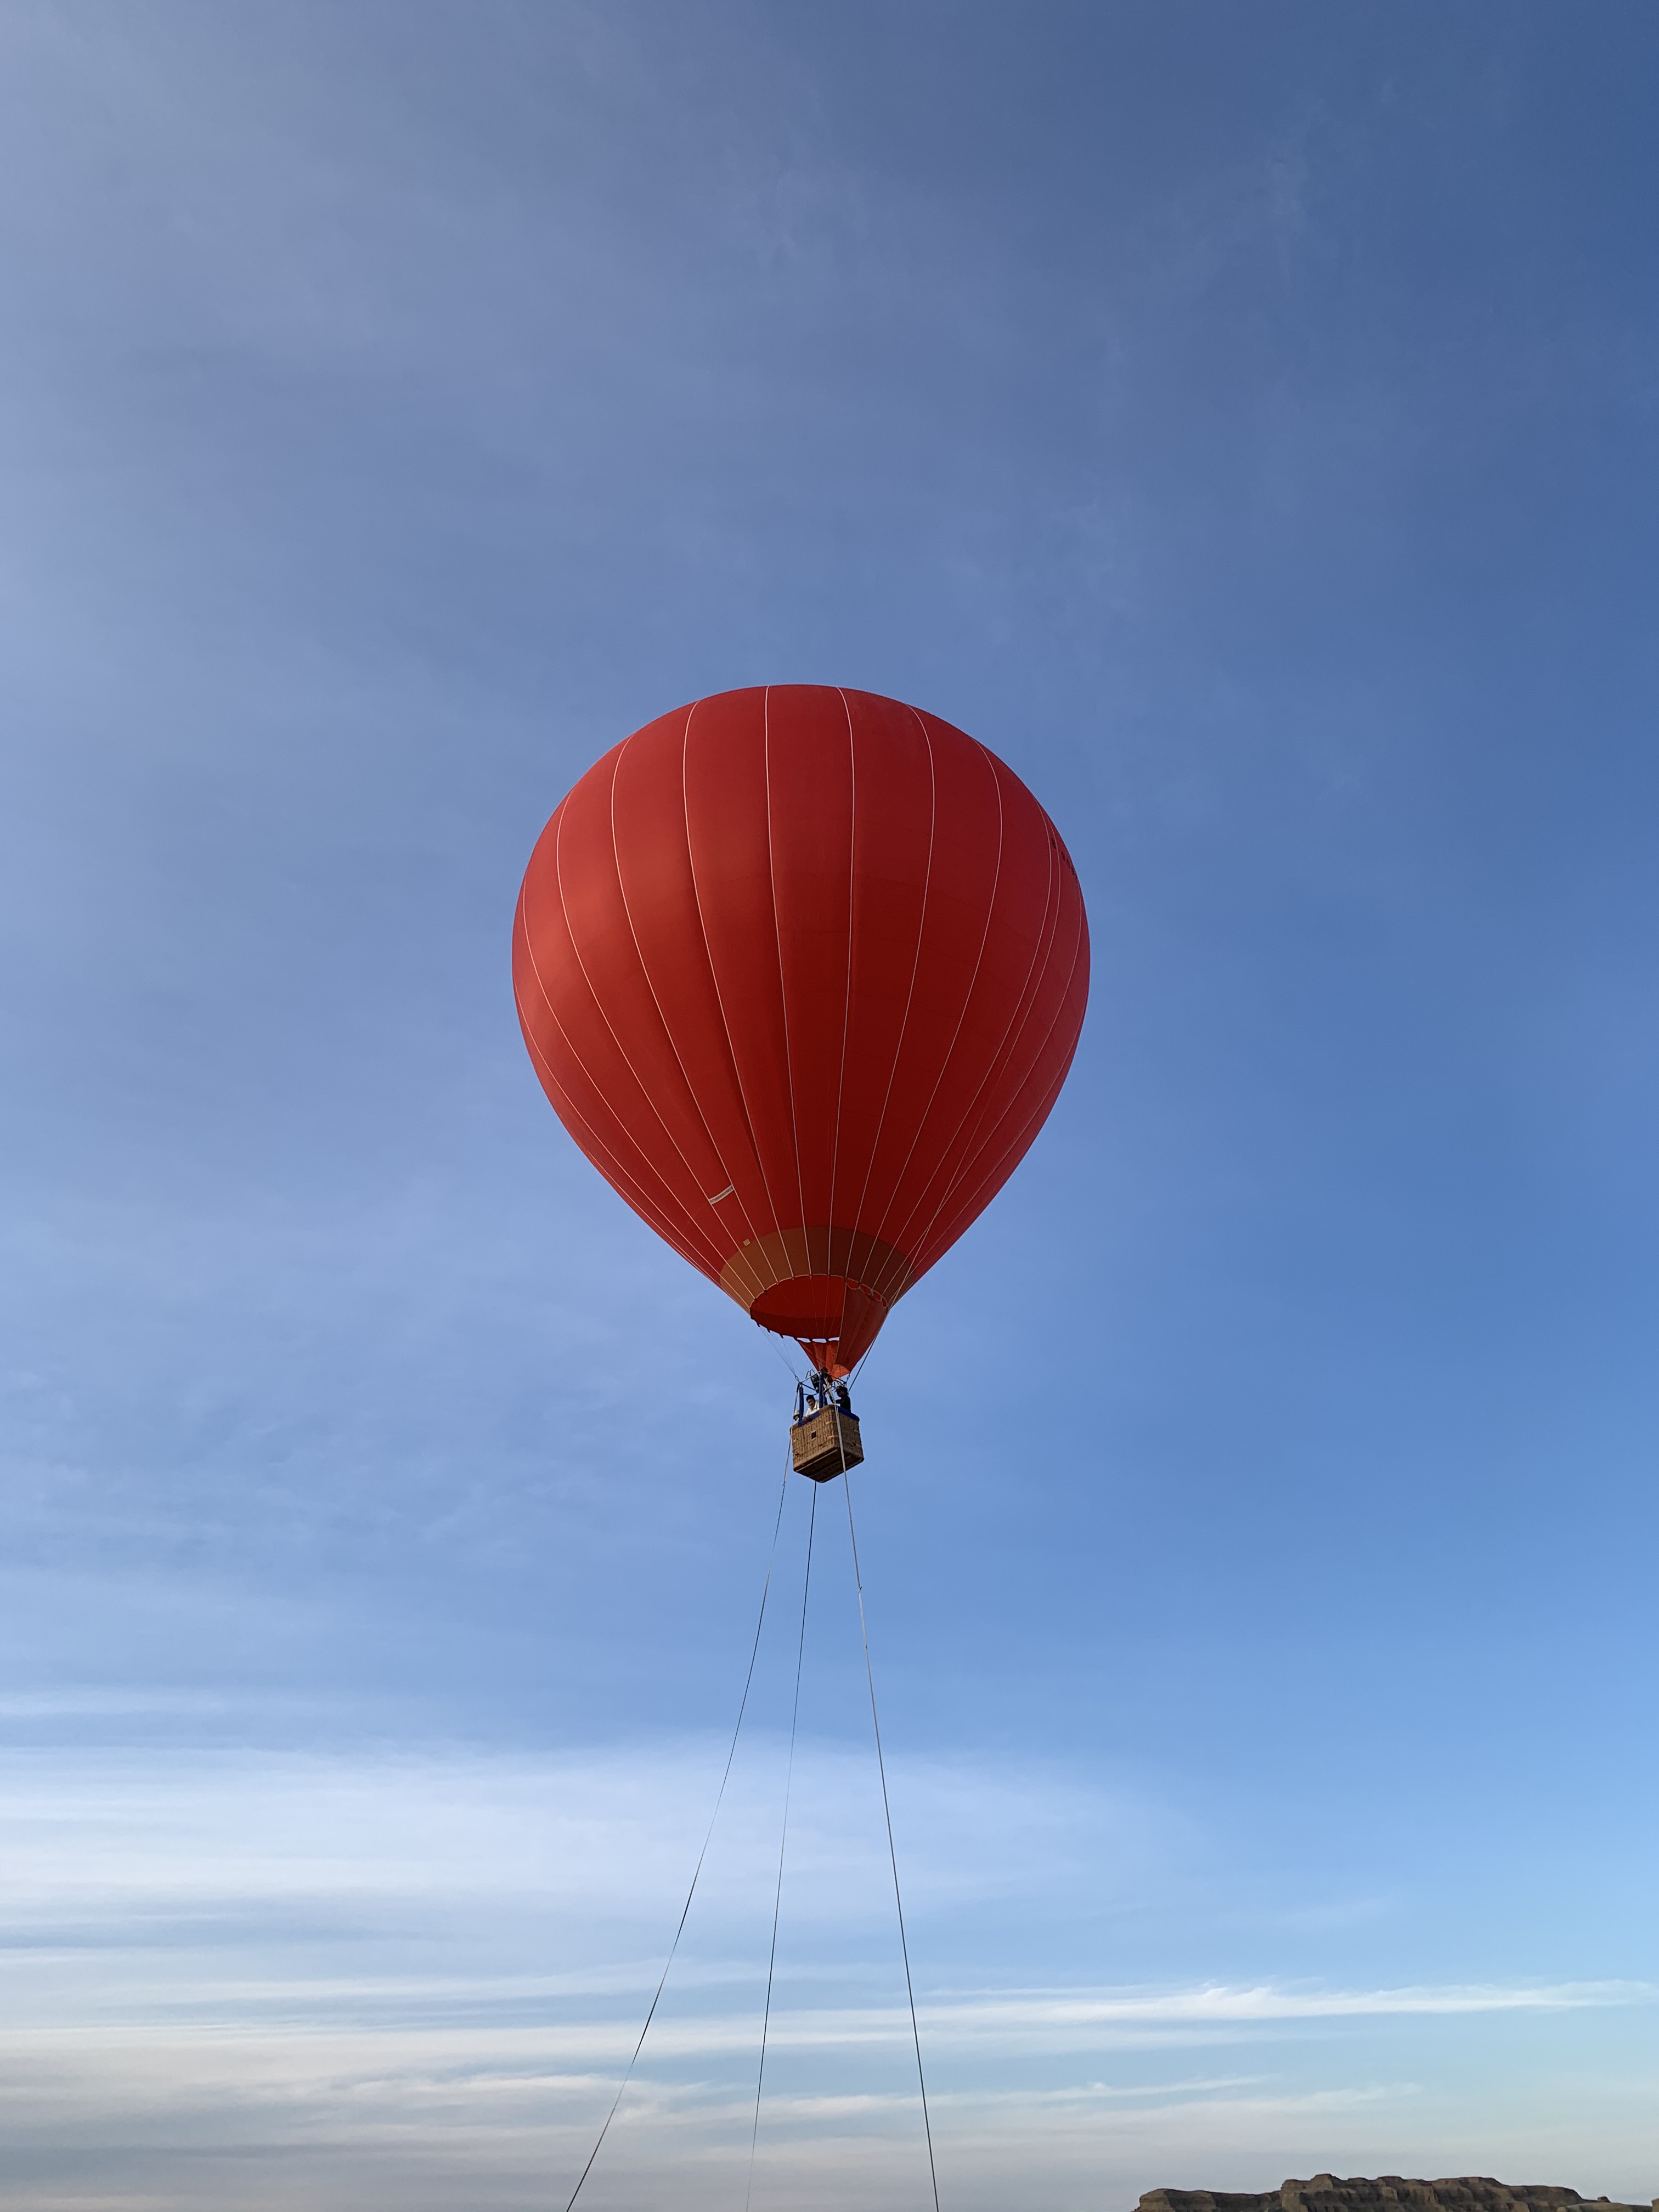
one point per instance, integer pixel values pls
(1244, 421)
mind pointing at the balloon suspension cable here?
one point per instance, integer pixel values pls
(783, 1356)
(777, 1899)
(892, 1854)
(743, 1707)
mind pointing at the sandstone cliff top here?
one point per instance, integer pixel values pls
(1325, 2192)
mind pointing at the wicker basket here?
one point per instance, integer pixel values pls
(825, 1445)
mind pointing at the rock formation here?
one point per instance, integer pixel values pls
(1389, 2192)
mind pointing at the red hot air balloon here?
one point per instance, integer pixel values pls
(802, 971)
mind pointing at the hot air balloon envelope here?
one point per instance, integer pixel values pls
(802, 971)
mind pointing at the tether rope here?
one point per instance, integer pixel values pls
(881, 1765)
(743, 1707)
(777, 1900)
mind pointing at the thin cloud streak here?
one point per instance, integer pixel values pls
(1010, 2027)
(479, 2117)
(1264, 2003)
(616, 1831)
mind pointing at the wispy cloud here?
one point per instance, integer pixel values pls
(431, 2120)
(441, 1961)
(1077, 2008)
(427, 2118)
(613, 1832)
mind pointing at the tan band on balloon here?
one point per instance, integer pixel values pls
(786, 1254)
